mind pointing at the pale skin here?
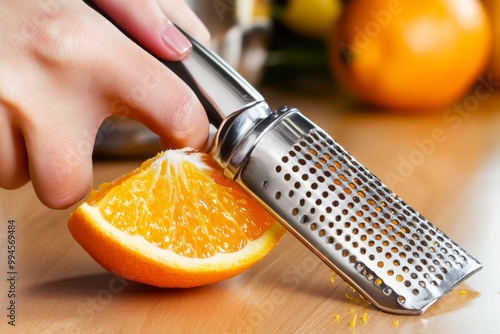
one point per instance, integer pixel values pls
(64, 69)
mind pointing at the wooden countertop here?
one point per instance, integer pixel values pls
(445, 165)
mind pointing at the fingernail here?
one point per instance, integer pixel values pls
(175, 40)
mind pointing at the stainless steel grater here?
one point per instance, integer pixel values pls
(388, 252)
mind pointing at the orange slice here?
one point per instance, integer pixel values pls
(174, 222)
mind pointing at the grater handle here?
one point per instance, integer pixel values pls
(220, 89)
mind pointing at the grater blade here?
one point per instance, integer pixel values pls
(388, 252)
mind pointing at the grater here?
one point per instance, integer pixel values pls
(393, 256)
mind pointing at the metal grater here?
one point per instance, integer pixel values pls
(387, 251)
(383, 248)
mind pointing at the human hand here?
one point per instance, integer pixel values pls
(64, 69)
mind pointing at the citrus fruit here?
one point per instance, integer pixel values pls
(175, 221)
(310, 18)
(410, 54)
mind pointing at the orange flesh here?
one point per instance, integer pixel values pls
(178, 219)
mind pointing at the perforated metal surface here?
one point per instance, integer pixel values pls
(392, 255)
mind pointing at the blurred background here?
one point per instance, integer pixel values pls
(383, 56)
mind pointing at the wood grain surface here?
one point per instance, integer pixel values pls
(446, 165)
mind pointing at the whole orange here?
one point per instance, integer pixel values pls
(410, 54)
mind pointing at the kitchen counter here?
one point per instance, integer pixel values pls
(446, 165)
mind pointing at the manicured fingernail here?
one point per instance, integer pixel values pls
(175, 40)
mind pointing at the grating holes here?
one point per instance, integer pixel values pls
(287, 177)
(407, 284)
(295, 169)
(415, 292)
(387, 291)
(329, 240)
(302, 202)
(305, 219)
(322, 233)
(284, 159)
(278, 195)
(390, 272)
(314, 227)
(265, 184)
(278, 169)
(302, 162)
(297, 185)
(291, 193)
(401, 299)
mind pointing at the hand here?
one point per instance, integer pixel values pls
(64, 69)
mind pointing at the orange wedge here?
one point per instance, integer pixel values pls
(174, 222)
